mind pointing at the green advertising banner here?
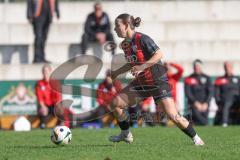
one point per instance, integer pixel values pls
(18, 97)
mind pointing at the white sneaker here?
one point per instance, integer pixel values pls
(224, 124)
(126, 137)
(198, 141)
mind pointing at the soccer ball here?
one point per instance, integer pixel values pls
(61, 135)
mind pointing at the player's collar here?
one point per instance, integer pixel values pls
(130, 39)
(133, 36)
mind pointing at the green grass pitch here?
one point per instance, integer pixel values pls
(157, 143)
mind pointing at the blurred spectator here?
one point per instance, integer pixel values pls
(47, 98)
(97, 29)
(40, 14)
(110, 89)
(199, 90)
(174, 77)
(227, 95)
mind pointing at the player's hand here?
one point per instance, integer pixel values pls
(137, 69)
(204, 107)
(197, 105)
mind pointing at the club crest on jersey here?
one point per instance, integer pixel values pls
(164, 92)
(125, 45)
(131, 58)
(235, 80)
(43, 88)
(203, 80)
(134, 48)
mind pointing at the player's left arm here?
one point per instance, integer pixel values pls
(153, 60)
(150, 49)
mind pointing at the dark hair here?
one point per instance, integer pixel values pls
(97, 4)
(197, 61)
(46, 66)
(128, 19)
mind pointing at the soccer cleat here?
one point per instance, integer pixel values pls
(198, 141)
(225, 125)
(128, 138)
(42, 126)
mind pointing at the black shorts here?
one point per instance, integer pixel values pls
(159, 91)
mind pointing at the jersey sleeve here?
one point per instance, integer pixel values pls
(148, 45)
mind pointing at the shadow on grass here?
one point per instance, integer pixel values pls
(58, 146)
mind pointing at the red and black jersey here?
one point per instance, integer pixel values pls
(227, 88)
(45, 94)
(139, 49)
(198, 87)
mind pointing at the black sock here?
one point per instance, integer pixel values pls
(189, 131)
(43, 119)
(124, 125)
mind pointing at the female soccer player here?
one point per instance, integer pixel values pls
(144, 62)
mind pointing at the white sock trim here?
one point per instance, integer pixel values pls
(196, 137)
(126, 132)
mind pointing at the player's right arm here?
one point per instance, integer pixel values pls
(125, 68)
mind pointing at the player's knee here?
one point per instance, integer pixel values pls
(176, 118)
(117, 103)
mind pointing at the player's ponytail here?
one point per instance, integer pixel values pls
(128, 19)
(137, 22)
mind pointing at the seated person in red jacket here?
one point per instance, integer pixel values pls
(46, 97)
(110, 89)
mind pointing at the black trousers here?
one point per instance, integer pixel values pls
(40, 28)
(228, 112)
(199, 118)
(86, 39)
